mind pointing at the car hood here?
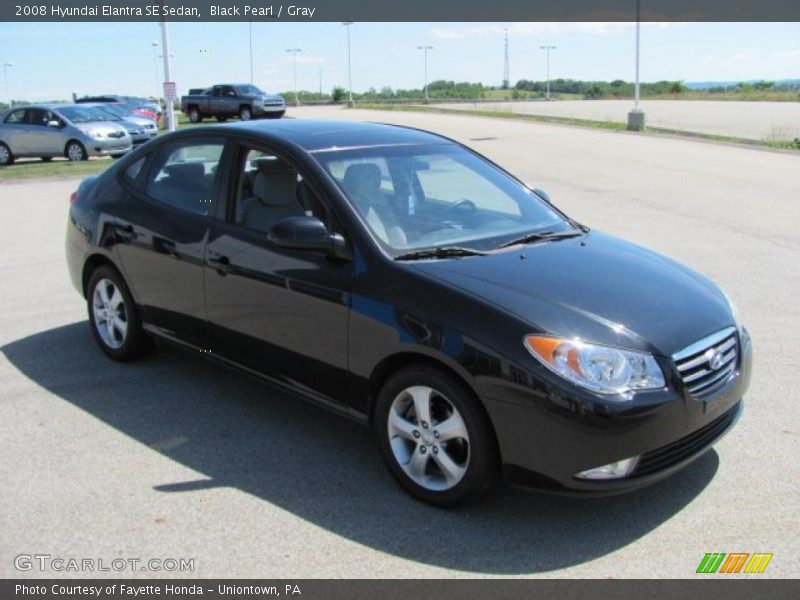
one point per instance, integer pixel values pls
(104, 127)
(595, 287)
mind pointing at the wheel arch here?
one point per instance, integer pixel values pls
(77, 141)
(91, 264)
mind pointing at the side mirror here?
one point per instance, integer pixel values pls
(309, 233)
(543, 195)
(55, 124)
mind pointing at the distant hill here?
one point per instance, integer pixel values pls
(704, 85)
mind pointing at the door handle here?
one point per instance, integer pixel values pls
(221, 263)
(124, 233)
(164, 246)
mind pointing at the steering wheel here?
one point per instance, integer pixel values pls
(463, 207)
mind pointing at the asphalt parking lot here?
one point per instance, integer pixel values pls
(175, 457)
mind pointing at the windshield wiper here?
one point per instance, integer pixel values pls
(542, 236)
(439, 252)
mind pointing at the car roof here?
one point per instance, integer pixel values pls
(315, 135)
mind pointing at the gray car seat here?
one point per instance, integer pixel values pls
(362, 182)
(274, 196)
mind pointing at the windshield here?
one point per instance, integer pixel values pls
(109, 113)
(82, 114)
(244, 90)
(419, 197)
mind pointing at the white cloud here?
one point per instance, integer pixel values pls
(306, 59)
(526, 29)
(787, 54)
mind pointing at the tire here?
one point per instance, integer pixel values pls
(115, 323)
(6, 157)
(74, 151)
(276, 115)
(443, 468)
(194, 115)
(46, 158)
(221, 119)
(245, 113)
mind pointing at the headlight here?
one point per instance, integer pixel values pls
(601, 369)
(92, 133)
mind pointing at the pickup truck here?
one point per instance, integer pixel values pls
(241, 100)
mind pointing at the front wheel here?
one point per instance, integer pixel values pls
(434, 437)
(245, 114)
(195, 116)
(75, 152)
(112, 314)
(6, 158)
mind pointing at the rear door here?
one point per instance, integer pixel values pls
(162, 233)
(283, 313)
(15, 130)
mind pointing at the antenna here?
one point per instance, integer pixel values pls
(505, 66)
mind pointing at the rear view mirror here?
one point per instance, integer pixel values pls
(308, 233)
(543, 195)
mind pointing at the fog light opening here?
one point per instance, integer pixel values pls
(616, 470)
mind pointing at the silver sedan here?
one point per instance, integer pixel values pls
(49, 130)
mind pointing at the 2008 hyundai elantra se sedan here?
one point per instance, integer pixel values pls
(403, 280)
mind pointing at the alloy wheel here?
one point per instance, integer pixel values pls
(75, 152)
(428, 438)
(110, 313)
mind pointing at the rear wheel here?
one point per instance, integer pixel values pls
(434, 437)
(194, 115)
(112, 314)
(6, 158)
(245, 114)
(75, 151)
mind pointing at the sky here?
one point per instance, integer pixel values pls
(53, 60)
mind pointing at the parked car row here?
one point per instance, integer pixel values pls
(140, 106)
(74, 131)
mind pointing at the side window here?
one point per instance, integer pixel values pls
(185, 177)
(16, 117)
(132, 172)
(269, 189)
(38, 116)
(228, 91)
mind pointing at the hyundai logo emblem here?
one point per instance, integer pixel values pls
(715, 359)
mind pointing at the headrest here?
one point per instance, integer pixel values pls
(276, 189)
(188, 172)
(362, 174)
(271, 164)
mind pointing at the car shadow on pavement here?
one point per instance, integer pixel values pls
(244, 434)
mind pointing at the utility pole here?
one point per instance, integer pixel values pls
(251, 53)
(320, 83)
(636, 116)
(6, 65)
(294, 52)
(349, 66)
(425, 51)
(548, 48)
(506, 78)
(155, 45)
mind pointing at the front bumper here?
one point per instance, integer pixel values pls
(107, 147)
(269, 109)
(546, 438)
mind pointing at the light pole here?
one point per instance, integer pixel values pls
(6, 65)
(548, 48)
(294, 52)
(636, 116)
(169, 103)
(425, 52)
(155, 46)
(349, 66)
(251, 53)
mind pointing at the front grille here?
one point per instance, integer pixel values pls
(708, 364)
(685, 447)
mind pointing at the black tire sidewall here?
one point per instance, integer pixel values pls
(482, 469)
(136, 342)
(10, 160)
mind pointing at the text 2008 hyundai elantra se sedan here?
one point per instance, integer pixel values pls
(402, 279)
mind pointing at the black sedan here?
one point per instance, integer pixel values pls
(405, 281)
